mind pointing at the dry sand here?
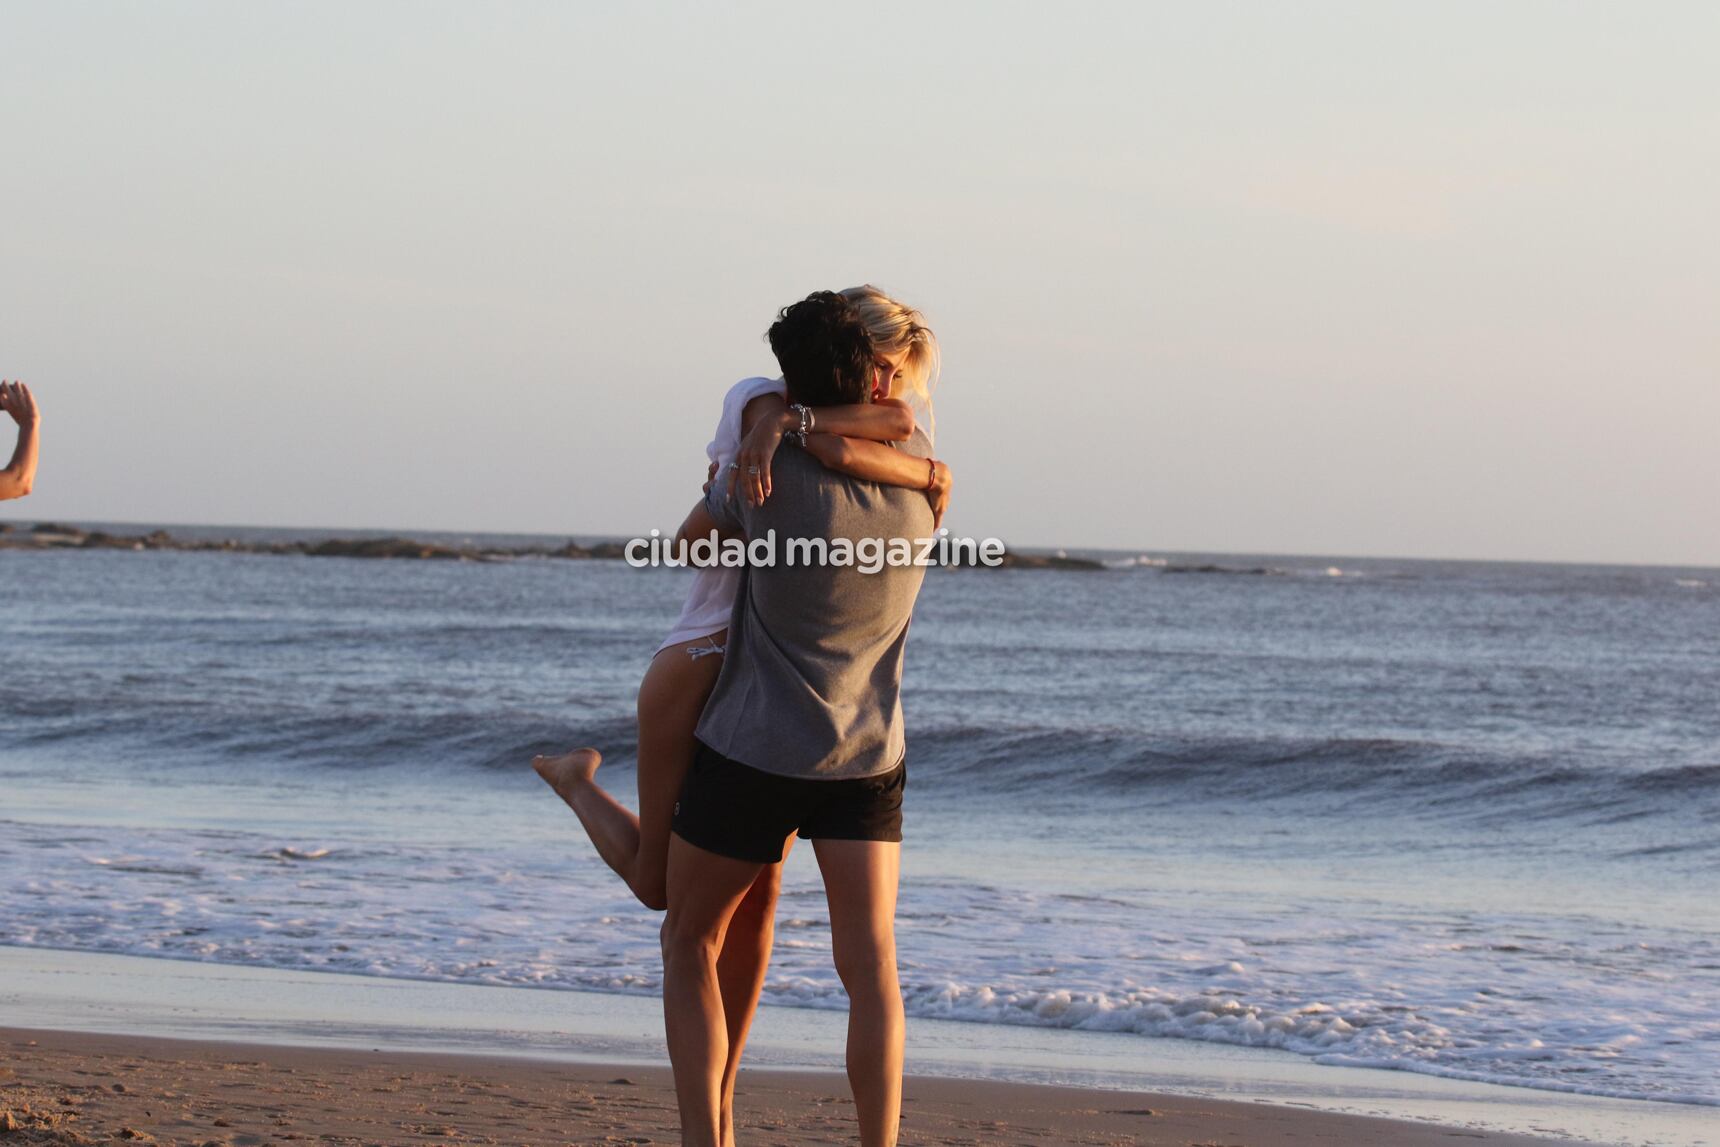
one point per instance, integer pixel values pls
(66, 1088)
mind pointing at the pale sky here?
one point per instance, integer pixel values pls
(1435, 279)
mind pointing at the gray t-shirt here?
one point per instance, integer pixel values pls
(811, 684)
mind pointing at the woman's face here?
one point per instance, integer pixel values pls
(887, 374)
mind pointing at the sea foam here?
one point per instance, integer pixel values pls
(1525, 1000)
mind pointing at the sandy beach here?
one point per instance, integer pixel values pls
(75, 1088)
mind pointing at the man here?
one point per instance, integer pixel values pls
(20, 474)
(803, 733)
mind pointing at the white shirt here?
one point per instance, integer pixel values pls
(711, 599)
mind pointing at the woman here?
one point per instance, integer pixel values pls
(684, 670)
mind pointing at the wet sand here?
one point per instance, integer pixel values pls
(74, 1088)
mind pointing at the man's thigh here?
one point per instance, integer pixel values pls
(704, 890)
(860, 880)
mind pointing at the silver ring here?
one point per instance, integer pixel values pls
(734, 465)
(752, 469)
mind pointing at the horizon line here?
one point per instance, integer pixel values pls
(1141, 551)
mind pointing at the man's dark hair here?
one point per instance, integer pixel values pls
(824, 350)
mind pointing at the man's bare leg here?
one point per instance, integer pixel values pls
(704, 891)
(740, 974)
(860, 878)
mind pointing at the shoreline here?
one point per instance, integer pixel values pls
(546, 1035)
(77, 1088)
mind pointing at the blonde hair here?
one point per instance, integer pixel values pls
(896, 327)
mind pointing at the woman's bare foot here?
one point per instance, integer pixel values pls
(570, 770)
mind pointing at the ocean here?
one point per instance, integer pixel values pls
(1460, 819)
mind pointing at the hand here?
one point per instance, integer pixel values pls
(710, 478)
(938, 493)
(751, 473)
(16, 400)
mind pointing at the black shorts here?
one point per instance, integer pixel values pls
(744, 813)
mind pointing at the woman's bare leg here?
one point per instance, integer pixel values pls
(671, 697)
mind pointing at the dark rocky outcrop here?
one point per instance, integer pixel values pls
(381, 548)
(1048, 562)
(1251, 571)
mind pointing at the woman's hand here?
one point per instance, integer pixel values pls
(710, 478)
(938, 493)
(750, 474)
(16, 400)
